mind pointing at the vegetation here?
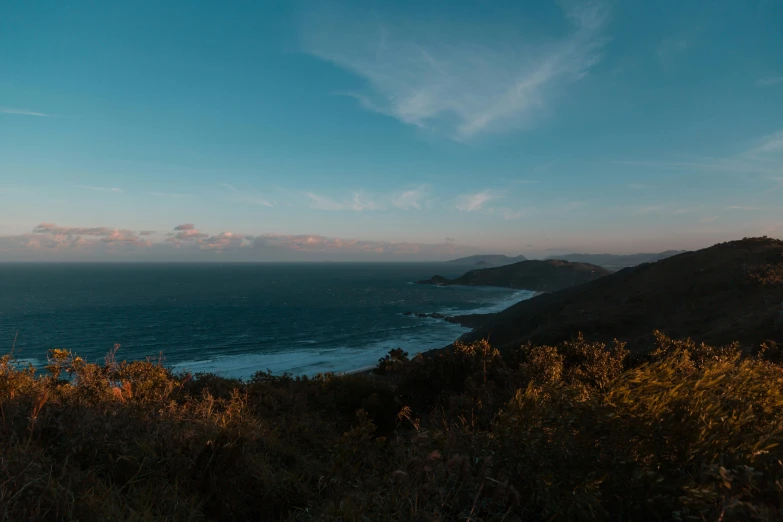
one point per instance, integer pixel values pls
(393, 360)
(770, 274)
(577, 431)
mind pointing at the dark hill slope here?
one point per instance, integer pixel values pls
(542, 276)
(731, 291)
(616, 262)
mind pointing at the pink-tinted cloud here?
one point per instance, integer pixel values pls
(191, 233)
(51, 241)
(316, 243)
(51, 228)
(51, 237)
(125, 236)
(186, 233)
(223, 241)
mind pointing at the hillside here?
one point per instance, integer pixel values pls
(614, 261)
(487, 260)
(731, 291)
(541, 276)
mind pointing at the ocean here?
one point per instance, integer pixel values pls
(235, 319)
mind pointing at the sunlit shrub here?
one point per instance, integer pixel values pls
(574, 431)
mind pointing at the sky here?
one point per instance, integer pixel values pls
(368, 130)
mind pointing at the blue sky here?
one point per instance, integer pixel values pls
(386, 130)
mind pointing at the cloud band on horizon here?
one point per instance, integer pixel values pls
(49, 241)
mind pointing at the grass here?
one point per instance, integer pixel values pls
(577, 431)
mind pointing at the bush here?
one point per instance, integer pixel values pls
(576, 431)
(392, 361)
(767, 275)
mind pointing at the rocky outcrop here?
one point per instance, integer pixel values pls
(434, 315)
(435, 280)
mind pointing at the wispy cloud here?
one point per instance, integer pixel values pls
(772, 143)
(650, 209)
(550, 207)
(410, 199)
(533, 173)
(317, 243)
(766, 82)
(763, 156)
(358, 202)
(510, 215)
(476, 201)
(99, 189)
(248, 197)
(11, 190)
(170, 195)
(735, 165)
(668, 209)
(777, 185)
(671, 47)
(326, 203)
(520, 181)
(564, 205)
(24, 112)
(739, 207)
(449, 83)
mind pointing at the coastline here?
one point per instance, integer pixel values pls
(462, 327)
(469, 321)
(372, 352)
(339, 356)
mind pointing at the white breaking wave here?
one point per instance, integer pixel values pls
(304, 361)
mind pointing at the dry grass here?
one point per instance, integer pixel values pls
(578, 431)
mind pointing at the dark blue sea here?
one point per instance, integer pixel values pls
(235, 319)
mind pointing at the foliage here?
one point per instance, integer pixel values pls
(767, 275)
(577, 431)
(392, 361)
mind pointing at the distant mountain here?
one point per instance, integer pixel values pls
(617, 261)
(728, 292)
(487, 260)
(541, 276)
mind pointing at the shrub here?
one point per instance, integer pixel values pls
(575, 431)
(767, 275)
(392, 361)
